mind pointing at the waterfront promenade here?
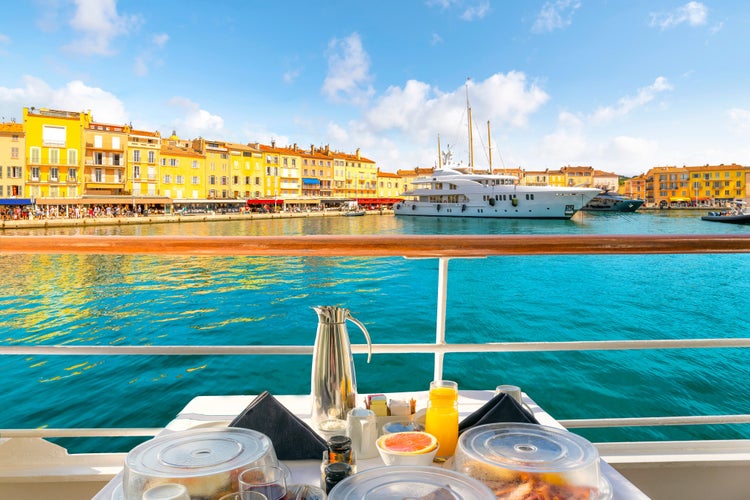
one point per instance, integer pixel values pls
(168, 219)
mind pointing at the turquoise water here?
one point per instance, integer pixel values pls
(139, 300)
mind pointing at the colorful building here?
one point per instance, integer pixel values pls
(144, 149)
(12, 160)
(54, 147)
(104, 170)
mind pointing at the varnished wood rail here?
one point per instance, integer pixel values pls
(444, 246)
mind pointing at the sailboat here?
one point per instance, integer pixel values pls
(462, 192)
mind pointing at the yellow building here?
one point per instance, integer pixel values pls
(12, 160)
(408, 176)
(578, 176)
(105, 165)
(54, 142)
(536, 178)
(717, 184)
(360, 176)
(182, 171)
(271, 166)
(144, 148)
(246, 171)
(390, 185)
(317, 174)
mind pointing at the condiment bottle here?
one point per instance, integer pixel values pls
(340, 449)
(441, 419)
(335, 473)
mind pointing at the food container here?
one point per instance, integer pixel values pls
(205, 461)
(517, 460)
(383, 483)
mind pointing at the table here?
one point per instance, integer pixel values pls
(216, 411)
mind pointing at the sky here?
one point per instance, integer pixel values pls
(620, 85)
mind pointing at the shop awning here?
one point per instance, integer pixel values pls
(15, 201)
(377, 201)
(310, 180)
(679, 198)
(107, 200)
(258, 201)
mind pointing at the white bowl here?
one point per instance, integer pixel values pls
(392, 457)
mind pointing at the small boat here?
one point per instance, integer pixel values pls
(613, 202)
(354, 213)
(736, 214)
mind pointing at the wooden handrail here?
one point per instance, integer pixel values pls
(377, 245)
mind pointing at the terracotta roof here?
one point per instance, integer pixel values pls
(388, 174)
(168, 149)
(11, 127)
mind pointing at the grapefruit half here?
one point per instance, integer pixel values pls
(408, 443)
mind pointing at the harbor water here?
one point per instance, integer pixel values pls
(148, 300)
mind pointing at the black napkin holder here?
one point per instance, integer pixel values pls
(292, 438)
(501, 408)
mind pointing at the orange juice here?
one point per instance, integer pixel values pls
(441, 419)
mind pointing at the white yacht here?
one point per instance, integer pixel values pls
(457, 193)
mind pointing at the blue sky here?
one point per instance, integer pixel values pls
(621, 85)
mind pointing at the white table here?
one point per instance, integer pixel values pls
(216, 411)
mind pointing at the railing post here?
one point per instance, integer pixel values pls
(442, 299)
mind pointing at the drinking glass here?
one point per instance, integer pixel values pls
(244, 495)
(268, 479)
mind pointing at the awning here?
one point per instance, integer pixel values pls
(107, 200)
(378, 201)
(15, 201)
(310, 180)
(258, 201)
(679, 198)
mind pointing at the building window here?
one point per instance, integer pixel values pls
(97, 141)
(136, 155)
(98, 175)
(116, 159)
(151, 157)
(34, 173)
(136, 172)
(53, 135)
(167, 179)
(98, 158)
(54, 156)
(195, 163)
(212, 179)
(195, 180)
(14, 153)
(54, 174)
(178, 179)
(71, 175)
(173, 162)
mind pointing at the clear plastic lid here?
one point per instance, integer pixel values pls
(211, 454)
(383, 483)
(528, 447)
(500, 452)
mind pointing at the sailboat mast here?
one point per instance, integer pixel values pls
(489, 144)
(471, 139)
(440, 155)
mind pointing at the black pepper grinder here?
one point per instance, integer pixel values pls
(335, 473)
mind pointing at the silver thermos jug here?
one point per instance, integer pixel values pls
(333, 382)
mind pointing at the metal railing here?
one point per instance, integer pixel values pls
(441, 247)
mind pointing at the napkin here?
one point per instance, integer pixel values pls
(501, 408)
(292, 438)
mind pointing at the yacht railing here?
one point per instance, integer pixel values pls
(441, 247)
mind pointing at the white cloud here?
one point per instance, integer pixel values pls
(149, 56)
(160, 40)
(477, 11)
(348, 78)
(290, 76)
(74, 96)
(4, 39)
(555, 15)
(194, 120)
(99, 23)
(435, 39)
(692, 13)
(628, 103)
(740, 120)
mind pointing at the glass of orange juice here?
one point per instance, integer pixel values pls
(441, 419)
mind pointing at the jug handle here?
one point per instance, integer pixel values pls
(364, 330)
